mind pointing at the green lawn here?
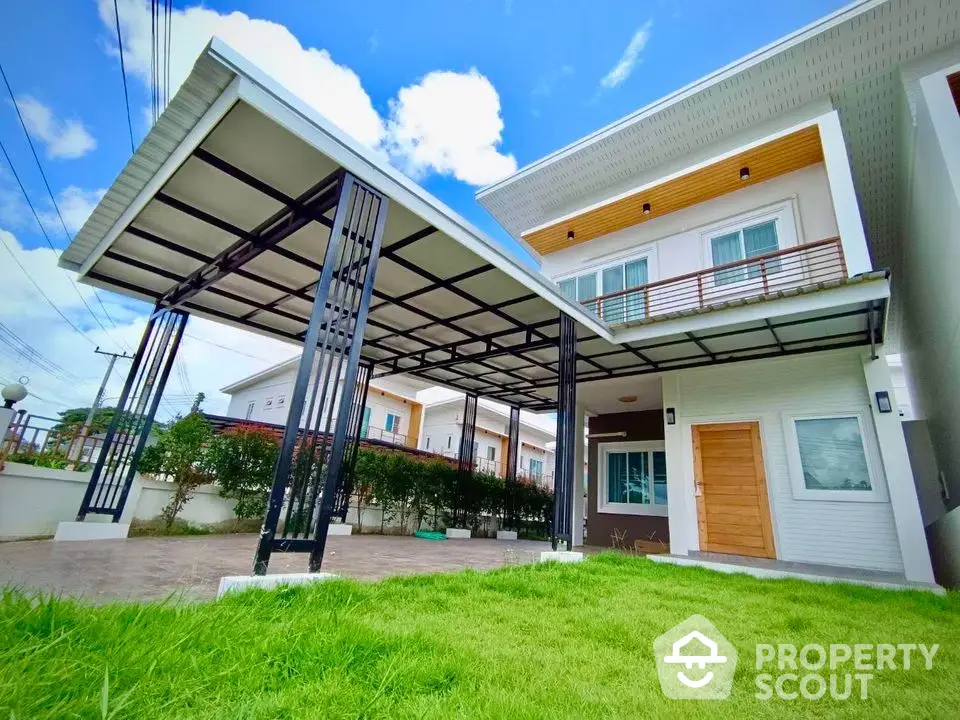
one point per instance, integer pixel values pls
(536, 641)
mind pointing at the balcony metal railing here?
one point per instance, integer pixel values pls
(807, 264)
(375, 433)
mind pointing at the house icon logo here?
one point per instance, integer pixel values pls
(694, 661)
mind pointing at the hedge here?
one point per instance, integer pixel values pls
(416, 491)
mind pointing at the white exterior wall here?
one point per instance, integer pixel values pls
(675, 239)
(444, 421)
(930, 139)
(843, 533)
(33, 500)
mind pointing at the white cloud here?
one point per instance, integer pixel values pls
(63, 138)
(28, 315)
(450, 123)
(630, 58)
(310, 73)
(75, 205)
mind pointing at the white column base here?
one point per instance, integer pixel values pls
(458, 533)
(91, 530)
(340, 529)
(237, 583)
(562, 556)
(506, 534)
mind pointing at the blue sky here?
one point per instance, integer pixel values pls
(545, 62)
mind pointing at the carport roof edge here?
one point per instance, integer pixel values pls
(219, 79)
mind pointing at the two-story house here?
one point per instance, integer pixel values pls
(443, 427)
(391, 412)
(721, 234)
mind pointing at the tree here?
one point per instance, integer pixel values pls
(243, 459)
(179, 454)
(72, 420)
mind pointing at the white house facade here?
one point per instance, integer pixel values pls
(715, 224)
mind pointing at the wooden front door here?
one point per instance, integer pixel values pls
(732, 507)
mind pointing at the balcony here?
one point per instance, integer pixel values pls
(709, 289)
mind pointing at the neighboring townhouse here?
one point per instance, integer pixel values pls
(391, 413)
(443, 428)
(731, 230)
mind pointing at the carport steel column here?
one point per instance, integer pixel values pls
(126, 437)
(563, 486)
(312, 459)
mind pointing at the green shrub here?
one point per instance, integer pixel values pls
(243, 460)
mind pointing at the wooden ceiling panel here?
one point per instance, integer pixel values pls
(767, 161)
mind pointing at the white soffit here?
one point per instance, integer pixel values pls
(850, 58)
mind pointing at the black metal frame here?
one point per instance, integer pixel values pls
(508, 365)
(354, 431)
(113, 474)
(313, 468)
(511, 520)
(465, 458)
(563, 482)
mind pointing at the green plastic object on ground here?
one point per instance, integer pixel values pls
(427, 535)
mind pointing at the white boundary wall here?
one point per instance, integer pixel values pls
(33, 500)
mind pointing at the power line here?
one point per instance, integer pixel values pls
(46, 184)
(225, 347)
(43, 294)
(123, 74)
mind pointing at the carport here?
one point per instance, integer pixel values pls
(245, 206)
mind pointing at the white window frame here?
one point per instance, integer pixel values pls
(612, 508)
(250, 408)
(878, 491)
(783, 213)
(648, 253)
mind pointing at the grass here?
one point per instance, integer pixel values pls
(546, 641)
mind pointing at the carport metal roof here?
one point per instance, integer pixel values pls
(226, 208)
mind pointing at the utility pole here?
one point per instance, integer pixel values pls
(77, 450)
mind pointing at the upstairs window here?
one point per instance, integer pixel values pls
(491, 452)
(610, 279)
(392, 423)
(743, 244)
(250, 411)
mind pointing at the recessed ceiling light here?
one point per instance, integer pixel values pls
(628, 399)
(646, 208)
(744, 173)
(570, 234)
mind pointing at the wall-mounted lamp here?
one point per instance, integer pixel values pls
(671, 416)
(744, 173)
(570, 234)
(646, 208)
(883, 401)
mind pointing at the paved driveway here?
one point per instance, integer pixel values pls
(153, 568)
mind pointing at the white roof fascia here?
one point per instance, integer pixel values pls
(486, 406)
(853, 291)
(737, 66)
(819, 110)
(262, 375)
(220, 107)
(273, 100)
